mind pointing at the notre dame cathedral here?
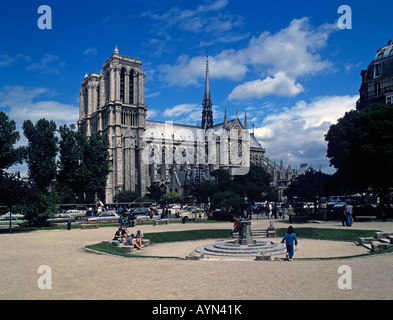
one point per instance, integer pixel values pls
(172, 155)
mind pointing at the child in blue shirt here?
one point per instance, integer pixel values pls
(289, 238)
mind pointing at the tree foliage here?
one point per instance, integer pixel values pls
(9, 155)
(93, 168)
(41, 151)
(360, 147)
(83, 164)
(68, 163)
(226, 191)
(172, 197)
(309, 185)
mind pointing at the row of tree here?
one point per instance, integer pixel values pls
(360, 147)
(79, 165)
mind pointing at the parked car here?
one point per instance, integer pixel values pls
(61, 218)
(105, 216)
(16, 219)
(194, 213)
(14, 216)
(141, 213)
(77, 214)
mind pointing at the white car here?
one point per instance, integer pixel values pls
(14, 216)
(105, 216)
(77, 214)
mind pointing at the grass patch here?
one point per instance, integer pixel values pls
(175, 236)
(161, 237)
(305, 233)
(106, 247)
(329, 234)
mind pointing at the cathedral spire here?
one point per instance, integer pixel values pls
(225, 119)
(245, 125)
(207, 111)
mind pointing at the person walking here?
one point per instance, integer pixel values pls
(349, 212)
(290, 238)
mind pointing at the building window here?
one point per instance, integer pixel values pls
(122, 85)
(131, 87)
(377, 89)
(377, 70)
(389, 99)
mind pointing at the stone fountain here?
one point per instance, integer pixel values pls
(245, 245)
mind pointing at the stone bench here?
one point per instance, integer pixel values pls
(264, 256)
(378, 235)
(90, 225)
(195, 256)
(156, 222)
(378, 246)
(370, 218)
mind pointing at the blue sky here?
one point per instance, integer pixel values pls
(285, 63)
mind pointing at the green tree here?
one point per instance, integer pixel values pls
(154, 192)
(15, 191)
(172, 197)
(40, 207)
(68, 163)
(360, 147)
(223, 180)
(9, 155)
(309, 185)
(227, 200)
(41, 151)
(126, 196)
(94, 166)
(202, 192)
(255, 183)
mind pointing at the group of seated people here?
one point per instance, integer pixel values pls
(122, 236)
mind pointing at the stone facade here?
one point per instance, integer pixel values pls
(377, 79)
(174, 156)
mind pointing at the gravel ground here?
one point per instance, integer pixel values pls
(78, 274)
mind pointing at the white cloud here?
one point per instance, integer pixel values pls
(318, 111)
(195, 20)
(279, 84)
(189, 71)
(296, 135)
(7, 60)
(49, 64)
(90, 51)
(27, 103)
(280, 59)
(180, 110)
(21, 103)
(294, 49)
(151, 113)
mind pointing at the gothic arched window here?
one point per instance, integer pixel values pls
(131, 87)
(122, 73)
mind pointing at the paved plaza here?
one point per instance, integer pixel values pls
(79, 274)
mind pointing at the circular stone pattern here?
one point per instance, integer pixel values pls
(231, 248)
